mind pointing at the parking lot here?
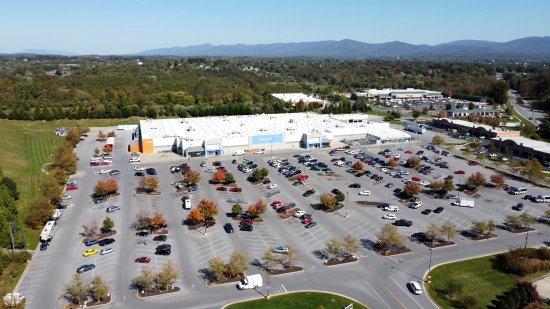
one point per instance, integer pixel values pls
(191, 249)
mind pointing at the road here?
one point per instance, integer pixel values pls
(533, 117)
(374, 280)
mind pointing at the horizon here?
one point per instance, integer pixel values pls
(127, 27)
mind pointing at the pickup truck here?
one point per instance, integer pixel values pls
(403, 222)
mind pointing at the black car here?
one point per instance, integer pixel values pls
(164, 247)
(114, 172)
(439, 210)
(335, 191)
(160, 238)
(139, 174)
(247, 227)
(43, 246)
(163, 251)
(142, 233)
(518, 207)
(426, 211)
(403, 222)
(309, 192)
(175, 169)
(397, 190)
(355, 185)
(100, 200)
(106, 241)
(420, 236)
(228, 227)
(85, 268)
(382, 205)
(379, 178)
(151, 171)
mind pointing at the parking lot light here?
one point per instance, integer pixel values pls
(428, 278)
(347, 203)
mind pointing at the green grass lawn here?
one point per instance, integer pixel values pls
(303, 300)
(478, 278)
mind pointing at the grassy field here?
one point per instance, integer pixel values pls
(478, 278)
(304, 300)
(27, 146)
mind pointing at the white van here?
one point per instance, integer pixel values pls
(186, 202)
(518, 191)
(239, 153)
(542, 199)
(135, 159)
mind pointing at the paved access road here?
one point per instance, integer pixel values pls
(532, 116)
(379, 282)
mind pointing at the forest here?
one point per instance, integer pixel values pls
(48, 87)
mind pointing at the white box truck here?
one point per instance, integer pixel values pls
(463, 203)
(251, 282)
(239, 153)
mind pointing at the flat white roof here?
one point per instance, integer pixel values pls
(295, 97)
(473, 125)
(527, 142)
(219, 127)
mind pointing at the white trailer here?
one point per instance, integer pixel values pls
(251, 282)
(463, 203)
(48, 231)
(414, 127)
(57, 214)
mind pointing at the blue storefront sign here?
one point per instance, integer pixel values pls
(267, 139)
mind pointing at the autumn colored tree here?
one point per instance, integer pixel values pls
(166, 276)
(327, 201)
(91, 228)
(390, 236)
(208, 208)
(261, 207)
(476, 180)
(108, 224)
(157, 221)
(106, 187)
(195, 215)
(391, 163)
(99, 289)
(498, 180)
(238, 263)
(438, 140)
(40, 212)
(192, 177)
(51, 190)
(412, 189)
(442, 114)
(149, 184)
(111, 133)
(219, 176)
(358, 166)
(413, 161)
(101, 135)
(436, 185)
(217, 267)
(143, 220)
(448, 185)
(532, 169)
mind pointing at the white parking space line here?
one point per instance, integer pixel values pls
(371, 289)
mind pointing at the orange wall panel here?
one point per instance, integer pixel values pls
(147, 145)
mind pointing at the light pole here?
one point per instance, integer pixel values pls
(267, 271)
(526, 236)
(429, 268)
(347, 203)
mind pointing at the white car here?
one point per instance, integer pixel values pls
(272, 186)
(259, 152)
(104, 171)
(503, 159)
(67, 197)
(299, 213)
(384, 170)
(365, 192)
(415, 287)
(139, 168)
(280, 249)
(493, 155)
(389, 217)
(106, 251)
(391, 208)
(424, 183)
(416, 205)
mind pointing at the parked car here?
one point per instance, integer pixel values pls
(44, 246)
(365, 192)
(71, 188)
(139, 174)
(106, 251)
(143, 259)
(307, 220)
(114, 172)
(228, 227)
(221, 189)
(311, 224)
(439, 210)
(247, 227)
(460, 172)
(142, 233)
(426, 211)
(104, 171)
(403, 222)
(309, 192)
(389, 217)
(90, 252)
(90, 242)
(415, 205)
(299, 213)
(246, 221)
(280, 249)
(106, 241)
(355, 185)
(84, 268)
(518, 207)
(113, 208)
(272, 186)
(235, 189)
(160, 238)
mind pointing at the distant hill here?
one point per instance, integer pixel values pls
(531, 47)
(42, 51)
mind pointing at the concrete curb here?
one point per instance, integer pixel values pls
(97, 306)
(25, 270)
(293, 292)
(155, 296)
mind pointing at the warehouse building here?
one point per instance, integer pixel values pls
(397, 94)
(474, 129)
(523, 147)
(206, 136)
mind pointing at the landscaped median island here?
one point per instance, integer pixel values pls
(299, 300)
(490, 280)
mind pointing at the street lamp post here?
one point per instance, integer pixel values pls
(267, 271)
(429, 267)
(527, 236)
(347, 203)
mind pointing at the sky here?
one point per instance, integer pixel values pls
(130, 26)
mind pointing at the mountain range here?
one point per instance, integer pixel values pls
(529, 47)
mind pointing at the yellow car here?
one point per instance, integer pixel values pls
(90, 252)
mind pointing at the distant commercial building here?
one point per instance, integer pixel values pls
(294, 98)
(523, 147)
(205, 136)
(397, 94)
(474, 129)
(464, 113)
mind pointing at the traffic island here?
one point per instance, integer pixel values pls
(517, 230)
(285, 270)
(224, 281)
(151, 193)
(438, 244)
(100, 236)
(368, 203)
(160, 232)
(150, 293)
(475, 236)
(335, 261)
(334, 209)
(393, 251)
(92, 303)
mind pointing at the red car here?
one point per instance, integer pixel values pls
(415, 179)
(94, 163)
(143, 259)
(334, 160)
(221, 189)
(71, 188)
(460, 172)
(374, 176)
(408, 152)
(235, 189)
(274, 204)
(303, 177)
(307, 220)
(473, 163)
(105, 163)
(246, 221)
(209, 224)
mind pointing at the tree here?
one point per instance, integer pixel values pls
(351, 245)
(292, 257)
(91, 228)
(238, 263)
(111, 134)
(498, 180)
(442, 114)
(436, 185)
(192, 177)
(101, 135)
(259, 174)
(108, 224)
(229, 178)
(412, 189)
(333, 248)
(476, 180)
(157, 221)
(106, 187)
(166, 276)
(389, 236)
(219, 176)
(143, 220)
(76, 290)
(260, 207)
(433, 232)
(438, 140)
(217, 268)
(416, 114)
(97, 151)
(470, 302)
(208, 208)
(327, 201)
(52, 191)
(449, 229)
(149, 184)
(236, 209)
(99, 289)
(340, 197)
(526, 219)
(357, 166)
(270, 259)
(413, 162)
(448, 185)
(40, 213)
(480, 227)
(513, 221)
(471, 105)
(391, 163)
(532, 169)
(144, 281)
(195, 215)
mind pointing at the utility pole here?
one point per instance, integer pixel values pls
(347, 203)
(429, 277)
(11, 237)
